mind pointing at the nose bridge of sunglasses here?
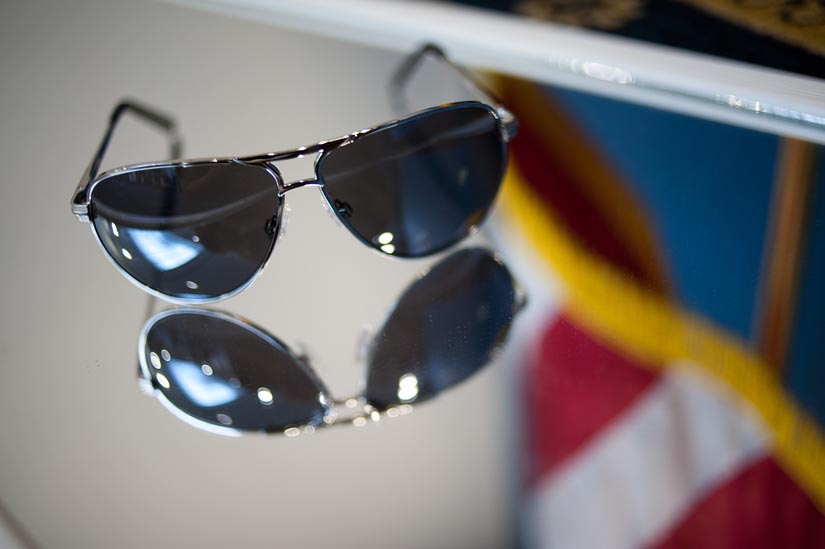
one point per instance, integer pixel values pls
(359, 412)
(298, 171)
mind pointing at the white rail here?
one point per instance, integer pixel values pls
(699, 85)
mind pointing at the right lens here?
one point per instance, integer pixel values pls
(221, 371)
(419, 186)
(445, 327)
(191, 232)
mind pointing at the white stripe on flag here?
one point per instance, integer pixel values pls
(631, 483)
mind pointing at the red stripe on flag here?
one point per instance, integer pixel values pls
(574, 388)
(759, 508)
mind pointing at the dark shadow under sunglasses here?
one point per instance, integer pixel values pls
(196, 231)
(226, 375)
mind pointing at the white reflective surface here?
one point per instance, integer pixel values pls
(88, 460)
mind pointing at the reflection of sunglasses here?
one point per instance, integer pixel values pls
(201, 230)
(225, 375)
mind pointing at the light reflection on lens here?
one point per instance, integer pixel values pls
(265, 395)
(388, 249)
(164, 354)
(126, 253)
(292, 432)
(165, 251)
(407, 387)
(206, 369)
(114, 229)
(351, 403)
(206, 391)
(385, 238)
(162, 380)
(155, 360)
(192, 285)
(224, 419)
(392, 412)
(375, 416)
(359, 421)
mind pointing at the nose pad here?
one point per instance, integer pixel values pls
(284, 220)
(330, 211)
(272, 224)
(343, 208)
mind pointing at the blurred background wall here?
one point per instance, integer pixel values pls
(86, 459)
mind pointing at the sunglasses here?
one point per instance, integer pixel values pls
(226, 375)
(198, 231)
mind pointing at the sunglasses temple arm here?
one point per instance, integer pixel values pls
(166, 123)
(405, 71)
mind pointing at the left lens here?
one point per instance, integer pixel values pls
(220, 371)
(444, 328)
(191, 232)
(419, 186)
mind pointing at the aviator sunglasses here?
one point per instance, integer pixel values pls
(226, 375)
(198, 231)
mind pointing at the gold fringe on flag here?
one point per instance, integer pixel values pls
(646, 325)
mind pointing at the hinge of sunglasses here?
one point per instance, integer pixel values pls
(81, 211)
(509, 123)
(521, 299)
(145, 385)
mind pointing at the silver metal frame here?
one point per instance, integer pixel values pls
(355, 408)
(82, 202)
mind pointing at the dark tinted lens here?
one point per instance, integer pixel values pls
(191, 232)
(220, 371)
(418, 187)
(445, 327)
